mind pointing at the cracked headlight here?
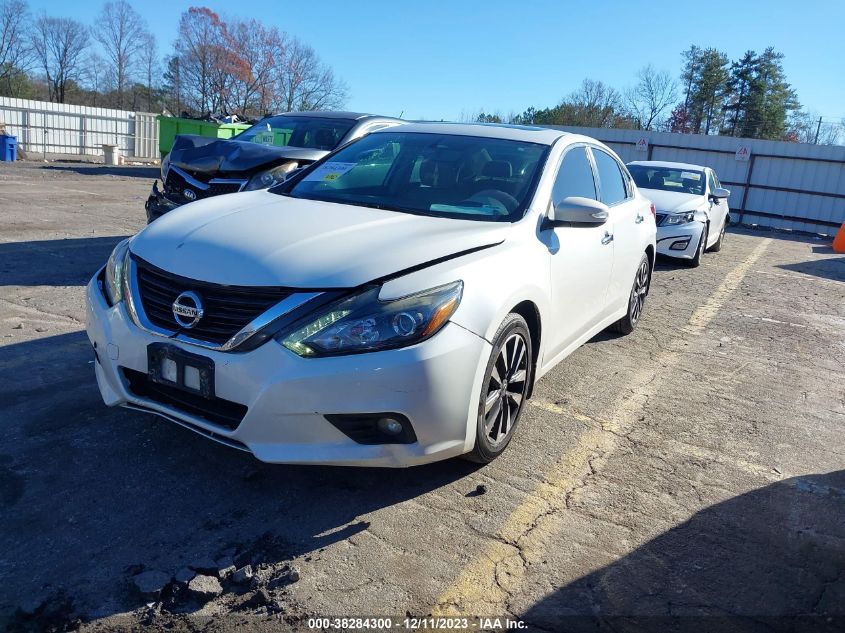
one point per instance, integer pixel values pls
(271, 177)
(679, 218)
(363, 323)
(115, 270)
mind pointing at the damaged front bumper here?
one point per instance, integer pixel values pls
(158, 204)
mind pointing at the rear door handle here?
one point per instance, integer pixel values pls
(607, 239)
(639, 219)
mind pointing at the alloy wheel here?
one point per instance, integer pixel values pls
(638, 292)
(506, 389)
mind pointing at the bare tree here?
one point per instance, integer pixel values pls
(59, 46)
(15, 53)
(149, 64)
(255, 52)
(122, 33)
(200, 50)
(652, 96)
(93, 76)
(305, 83)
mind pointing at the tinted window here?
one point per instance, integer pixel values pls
(668, 179)
(711, 180)
(308, 132)
(575, 177)
(458, 176)
(610, 178)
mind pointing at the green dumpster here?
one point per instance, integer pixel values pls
(169, 127)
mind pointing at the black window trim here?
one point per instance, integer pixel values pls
(589, 157)
(623, 171)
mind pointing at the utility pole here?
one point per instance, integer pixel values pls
(818, 129)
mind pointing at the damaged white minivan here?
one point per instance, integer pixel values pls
(390, 305)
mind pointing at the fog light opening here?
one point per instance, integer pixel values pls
(386, 427)
(679, 245)
(389, 426)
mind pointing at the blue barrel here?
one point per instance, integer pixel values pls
(8, 148)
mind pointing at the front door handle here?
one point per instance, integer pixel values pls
(639, 219)
(607, 239)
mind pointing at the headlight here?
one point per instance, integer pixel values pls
(165, 167)
(362, 323)
(271, 177)
(679, 218)
(115, 270)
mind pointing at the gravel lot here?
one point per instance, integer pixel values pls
(695, 469)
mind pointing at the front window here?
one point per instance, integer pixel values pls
(296, 131)
(443, 175)
(668, 179)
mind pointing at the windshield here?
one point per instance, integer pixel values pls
(668, 179)
(293, 131)
(432, 174)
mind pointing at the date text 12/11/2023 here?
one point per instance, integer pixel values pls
(429, 623)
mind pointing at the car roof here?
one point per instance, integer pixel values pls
(665, 163)
(527, 133)
(338, 114)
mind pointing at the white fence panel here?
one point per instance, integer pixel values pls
(792, 186)
(57, 128)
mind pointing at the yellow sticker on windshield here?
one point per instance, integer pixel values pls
(329, 171)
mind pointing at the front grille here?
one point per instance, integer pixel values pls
(659, 218)
(227, 309)
(219, 188)
(176, 184)
(218, 411)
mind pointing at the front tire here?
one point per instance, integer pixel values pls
(504, 389)
(636, 300)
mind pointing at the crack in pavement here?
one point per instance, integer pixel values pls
(477, 588)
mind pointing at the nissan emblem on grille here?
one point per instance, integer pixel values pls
(187, 309)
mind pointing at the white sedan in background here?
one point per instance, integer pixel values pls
(389, 305)
(692, 207)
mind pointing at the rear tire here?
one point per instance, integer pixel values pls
(636, 300)
(504, 390)
(695, 262)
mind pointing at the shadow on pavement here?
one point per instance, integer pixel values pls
(90, 496)
(70, 262)
(769, 560)
(828, 268)
(108, 170)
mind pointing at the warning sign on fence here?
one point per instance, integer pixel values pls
(642, 144)
(743, 153)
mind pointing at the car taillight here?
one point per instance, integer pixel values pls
(653, 211)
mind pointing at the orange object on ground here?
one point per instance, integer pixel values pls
(839, 240)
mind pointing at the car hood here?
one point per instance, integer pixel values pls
(264, 239)
(672, 202)
(204, 156)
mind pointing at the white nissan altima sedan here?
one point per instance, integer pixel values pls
(390, 305)
(692, 207)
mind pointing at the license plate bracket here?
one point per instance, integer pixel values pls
(170, 365)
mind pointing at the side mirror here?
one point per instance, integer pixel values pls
(575, 210)
(720, 193)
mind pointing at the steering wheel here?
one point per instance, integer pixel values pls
(503, 202)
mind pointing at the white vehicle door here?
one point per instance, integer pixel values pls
(627, 218)
(581, 257)
(718, 208)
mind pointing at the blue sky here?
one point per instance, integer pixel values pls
(441, 59)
